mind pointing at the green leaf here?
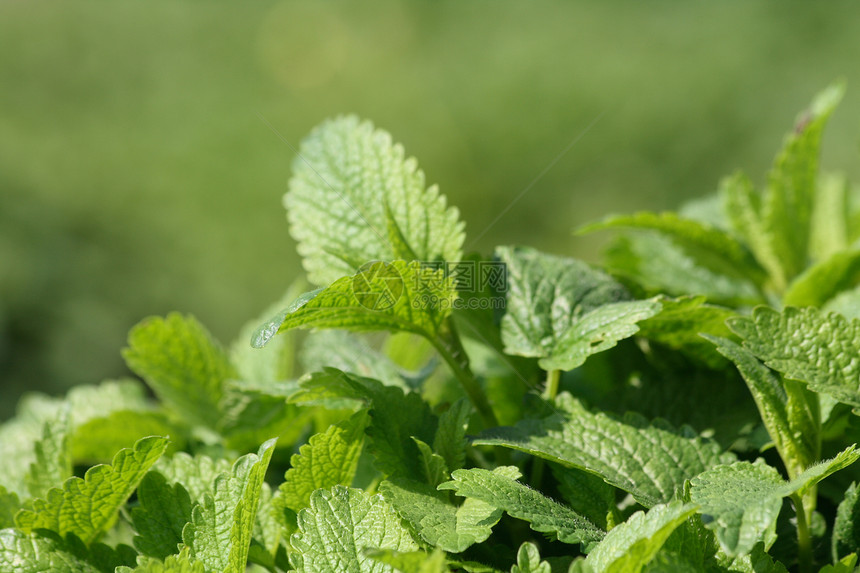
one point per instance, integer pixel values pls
(339, 526)
(181, 563)
(792, 428)
(823, 281)
(24, 553)
(786, 210)
(9, 506)
(845, 565)
(807, 345)
(628, 547)
(53, 463)
(99, 438)
(741, 501)
(649, 461)
(182, 363)
(680, 322)
(830, 218)
(86, 507)
(396, 418)
(162, 514)
(586, 493)
(397, 296)
(355, 197)
(435, 519)
(562, 311)
(529, 561)
(195, 473)
(411, 561)
(220, 532)
(450, 441)
(328, 459)
(500, 489)
(846, 528)
(659, 266)
(709, 246)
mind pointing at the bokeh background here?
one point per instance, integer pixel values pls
(140, 171)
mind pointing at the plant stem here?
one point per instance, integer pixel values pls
(450, 347)
(550, 391)
(804, 541)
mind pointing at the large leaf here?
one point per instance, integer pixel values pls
(398, 296)
(219, 534)
(328, 459)
(24, 553)
(339, 526)
(500, 489)
(808, 345)
(562, 311)
(741, 501)
(86, 507)
(182, 363)
(649, 461)
(355, 197)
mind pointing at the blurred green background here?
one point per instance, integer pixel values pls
(139, 174)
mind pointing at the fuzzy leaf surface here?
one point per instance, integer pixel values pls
(356, 197)
(651, 461)
(87, 506)
(337, 528)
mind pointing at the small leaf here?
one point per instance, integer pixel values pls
(529, 561)
(830, 218)
(328, 459)
(9, 506)
(649, 461)
(356, 197)
(411, 561)
(53, 462)
(182, 363)
(396, 296)
(562, 311)
(500, 489)
(339, 526)
(163, 512)
(86, 507)
(220, 532)
(807, 345)
(823, 281)
(630, 546)
(741, 501)
(846, 528)
(450, 441)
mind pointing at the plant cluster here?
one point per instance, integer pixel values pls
(678, 410)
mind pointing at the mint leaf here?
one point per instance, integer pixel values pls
(24, 553)
(181, 563)
(182, 363)
(680, 323)
(649, 461)
(629, 546)
(561, 310)
(709, 246)
(830, 218)
(807, 345)
(411, 561)
(9, 506)
(397, 296)
(500, 489)
(450, 440)
(435, 519)
(845, 565)
(328, 459)
(529, 561)
(162, 514)
(86, 507)
(782, 407)
(846, 527)
(194, 473)
(355, 197)
(586, 493)
(659, 266)
(53, 463)
(786, 210)
(823, 281)
(741, 501)
(339, 526)
(221, 543)
(99, 438)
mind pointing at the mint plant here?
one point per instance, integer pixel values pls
(690, 406)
